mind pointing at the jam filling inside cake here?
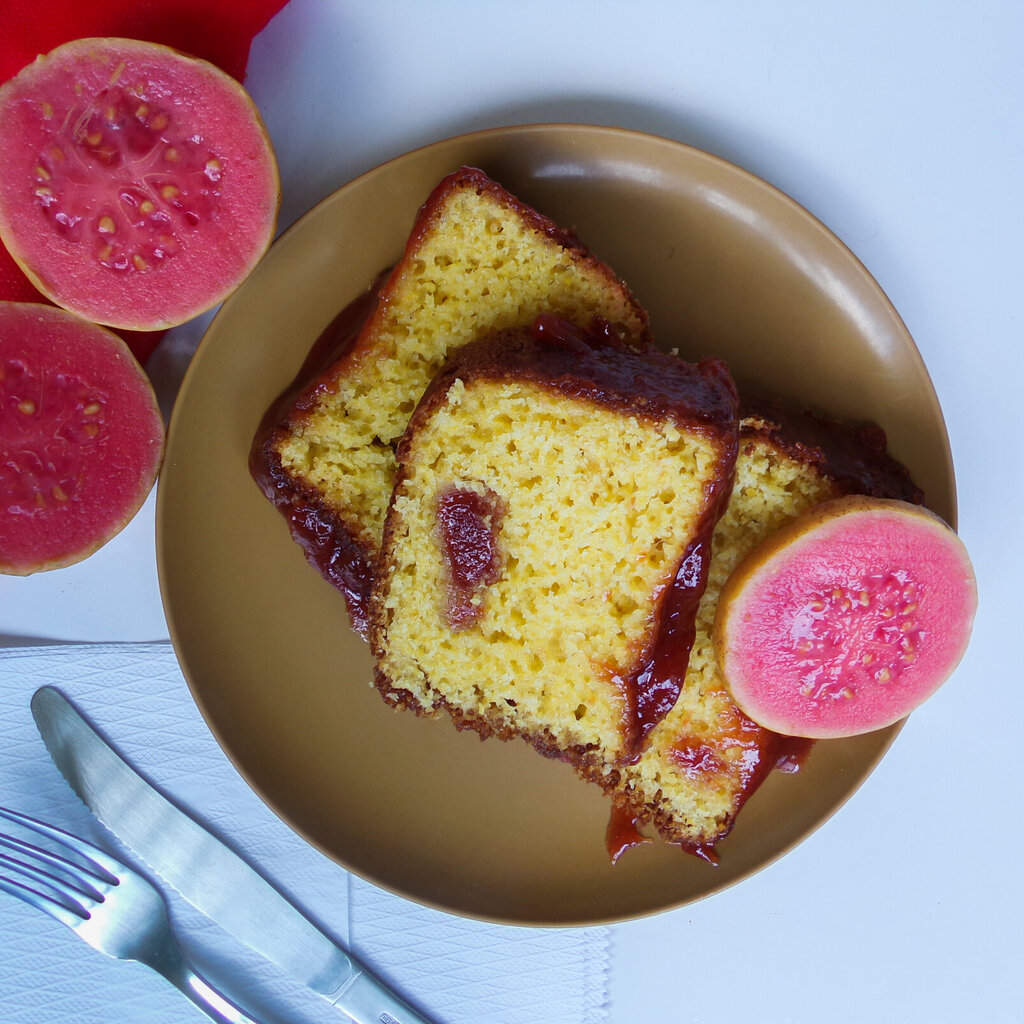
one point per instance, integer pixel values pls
(468, 526)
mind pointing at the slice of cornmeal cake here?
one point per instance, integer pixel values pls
(705, 758)
(547, 543)
(477, 260)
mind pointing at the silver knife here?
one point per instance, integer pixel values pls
(207, 873)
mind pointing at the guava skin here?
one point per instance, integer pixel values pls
(81, 437)
(846, 619)
(138, 187)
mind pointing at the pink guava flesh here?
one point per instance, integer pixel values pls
(137, 185)
(81, 437)
(847, 620)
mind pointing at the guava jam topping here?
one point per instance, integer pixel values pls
(739, 749)
(119, 176)
(468, 524)
(327, 543)
(861, 631)
(623, 831)
(44, 428)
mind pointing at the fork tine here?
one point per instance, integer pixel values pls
(69, 915)
(76, 872)
(60, 894)
(104, 866)
(69, 886)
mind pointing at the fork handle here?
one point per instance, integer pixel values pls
(177, 970)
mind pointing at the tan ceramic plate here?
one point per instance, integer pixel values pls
(727, 266)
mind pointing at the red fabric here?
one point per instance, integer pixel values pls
(219, 31)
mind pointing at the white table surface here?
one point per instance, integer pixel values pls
(899, 125)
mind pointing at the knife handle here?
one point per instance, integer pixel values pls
(368, 1000)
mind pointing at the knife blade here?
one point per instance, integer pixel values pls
(210, 875)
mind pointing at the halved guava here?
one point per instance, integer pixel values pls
(846, 619)
(138, 186)
(81, 437)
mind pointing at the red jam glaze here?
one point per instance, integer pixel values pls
(743, 749)
(325, 541)
(855, 458)
(703, 850)
(652, 690)
(602, 369)
(696, 758)
(791, 752)
(739, 747)
(622, 833)
(468, 525)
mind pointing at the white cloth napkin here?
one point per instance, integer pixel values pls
(459, 971)
(469, 971)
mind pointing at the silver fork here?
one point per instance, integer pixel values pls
(106, 903)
